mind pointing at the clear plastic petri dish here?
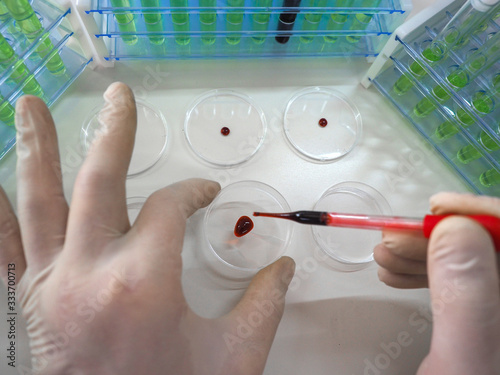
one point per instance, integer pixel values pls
(321, 124)
(134, 206)
(225, 128)
(238, 258)
(349, 249)
(151, 137)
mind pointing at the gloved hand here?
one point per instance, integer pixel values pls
(460, 266)
(102, 297)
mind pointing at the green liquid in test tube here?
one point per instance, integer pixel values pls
(467, 20)
(153, 21)
(20, 73)
(180, 19)
(32, 28)
(7, 112)
(208, 21)
(260, 20)
(312, 20)
(4, 13)
(404, 83)
(361, 20)
(477, 63)
(234, 21)
(490, 178)
(125, 21)
(470, 153)
(337, 22)
(482, 103)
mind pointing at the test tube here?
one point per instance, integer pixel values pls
(312, 20)
(7, 112)
(287, 20)
(125, 21)
(153, 21)
(260, 20)
(490, 178)
(482, 104)
(32, 28)
(362, 20)
(336, 22)
(477, 63)
(20, 73)
(180, 19)
(208, 21)
(470, 153)
(471, 18)
(234, 21)
(4, 13)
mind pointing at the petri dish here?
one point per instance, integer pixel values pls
(350, 249)
(321, 124)
(134, 206)
(240, 258)
(151, 136)
(225, 128)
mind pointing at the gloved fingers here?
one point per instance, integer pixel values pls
(406, 244)
(11, 247)
(402, 281)
(42, 208)
(385, 258)
(261, 308)
(465, 294)
(465, 204)
(162, 220)
(99, 198)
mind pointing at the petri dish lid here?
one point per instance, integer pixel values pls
(220, 109)
(151, 136)
(321, 124)
(264, 244)
(350, 248)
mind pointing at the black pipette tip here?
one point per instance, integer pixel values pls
(302, 217)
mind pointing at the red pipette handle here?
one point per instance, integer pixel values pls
(490, 223)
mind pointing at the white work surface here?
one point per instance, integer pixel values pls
(335, 322)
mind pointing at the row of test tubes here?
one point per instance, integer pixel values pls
(22, 28)
(447, 82)
(38, 56)
(303, 24)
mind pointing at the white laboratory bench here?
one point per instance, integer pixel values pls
(334, 322)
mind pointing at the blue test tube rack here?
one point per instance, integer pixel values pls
(36, 66)
(249, 29)
(462, 123)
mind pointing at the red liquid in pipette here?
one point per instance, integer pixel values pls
(373, 222)
(424, 226)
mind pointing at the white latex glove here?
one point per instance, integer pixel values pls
(102, 297)
(460, 266)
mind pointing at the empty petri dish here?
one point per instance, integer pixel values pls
(151, 136)
(350, 249)
(225, 128)
(134, 206)
(321, 124)
(235, 256)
